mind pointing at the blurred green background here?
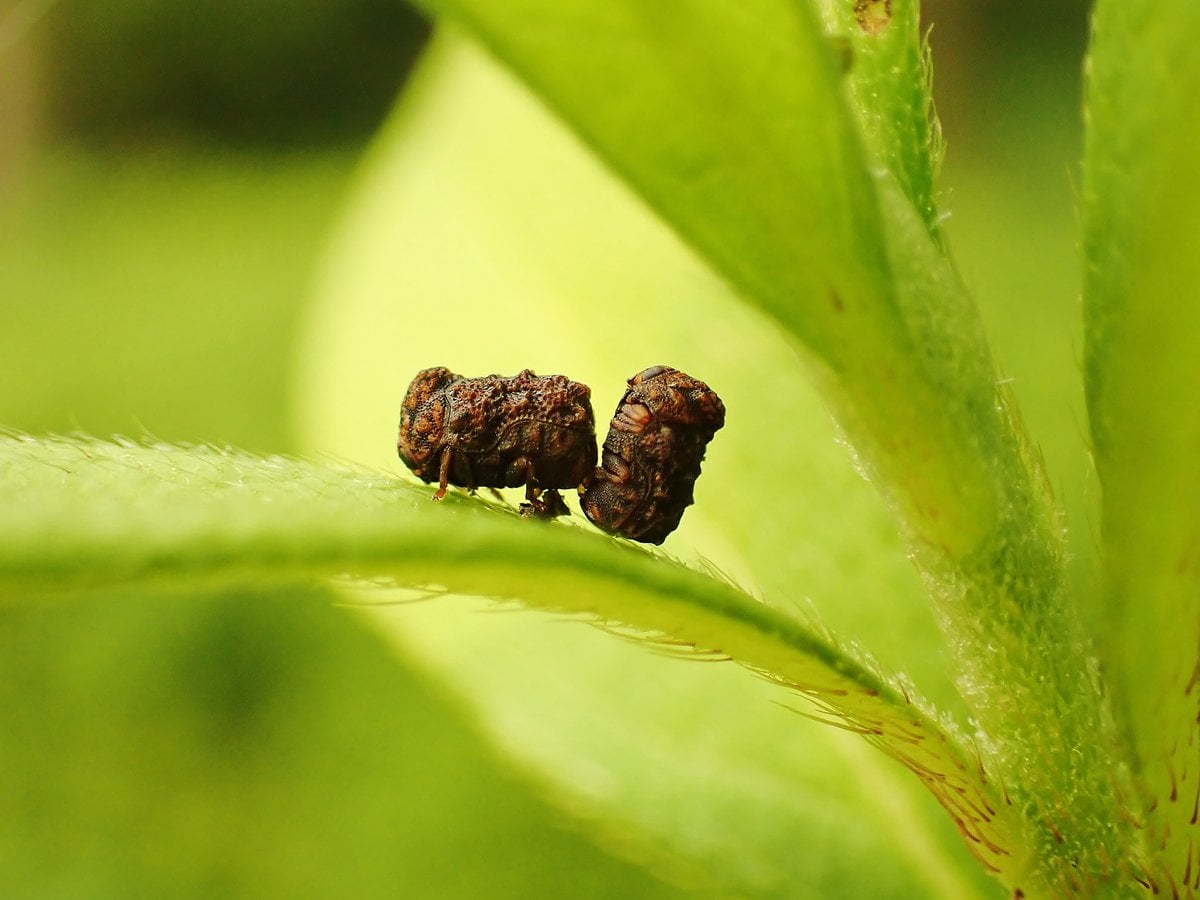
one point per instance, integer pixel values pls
(169, 173)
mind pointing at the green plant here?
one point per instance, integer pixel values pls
(791, 150)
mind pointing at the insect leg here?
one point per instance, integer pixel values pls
(548, 507)
(444, 473)
(532, 489)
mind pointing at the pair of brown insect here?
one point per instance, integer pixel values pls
(539, 431)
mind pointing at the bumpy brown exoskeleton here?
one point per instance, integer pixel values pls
(531, 430)
(652, 455)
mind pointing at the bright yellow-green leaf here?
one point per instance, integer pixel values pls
(485, 239)
(731, 121)
(1142, 308)
(479, 219)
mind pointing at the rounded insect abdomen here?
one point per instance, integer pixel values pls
(652, 455)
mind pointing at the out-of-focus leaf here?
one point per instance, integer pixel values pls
(1142, 250)
(249, 743)
(130, 304)
(703, 756)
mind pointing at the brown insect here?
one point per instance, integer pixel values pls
(532, 430)
(652, 455)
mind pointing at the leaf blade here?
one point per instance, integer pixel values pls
(731, 122)
(1023, 660)
(902, 359)
(889, 80)
(1141, 194)
(235, 517)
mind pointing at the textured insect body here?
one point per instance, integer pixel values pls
(532, 430)
(652, 455)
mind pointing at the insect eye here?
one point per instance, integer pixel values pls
(652, 372)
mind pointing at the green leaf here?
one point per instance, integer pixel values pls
(464, 249)
(250, 742)
(214, 516)
(888, 75)
(493, 244)
(700, 755)
(908, 374)
(162, 308)
(1141, 196)
(731, 122)
(742, 139)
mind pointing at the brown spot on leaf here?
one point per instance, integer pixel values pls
(873, 15)
(844, 50)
